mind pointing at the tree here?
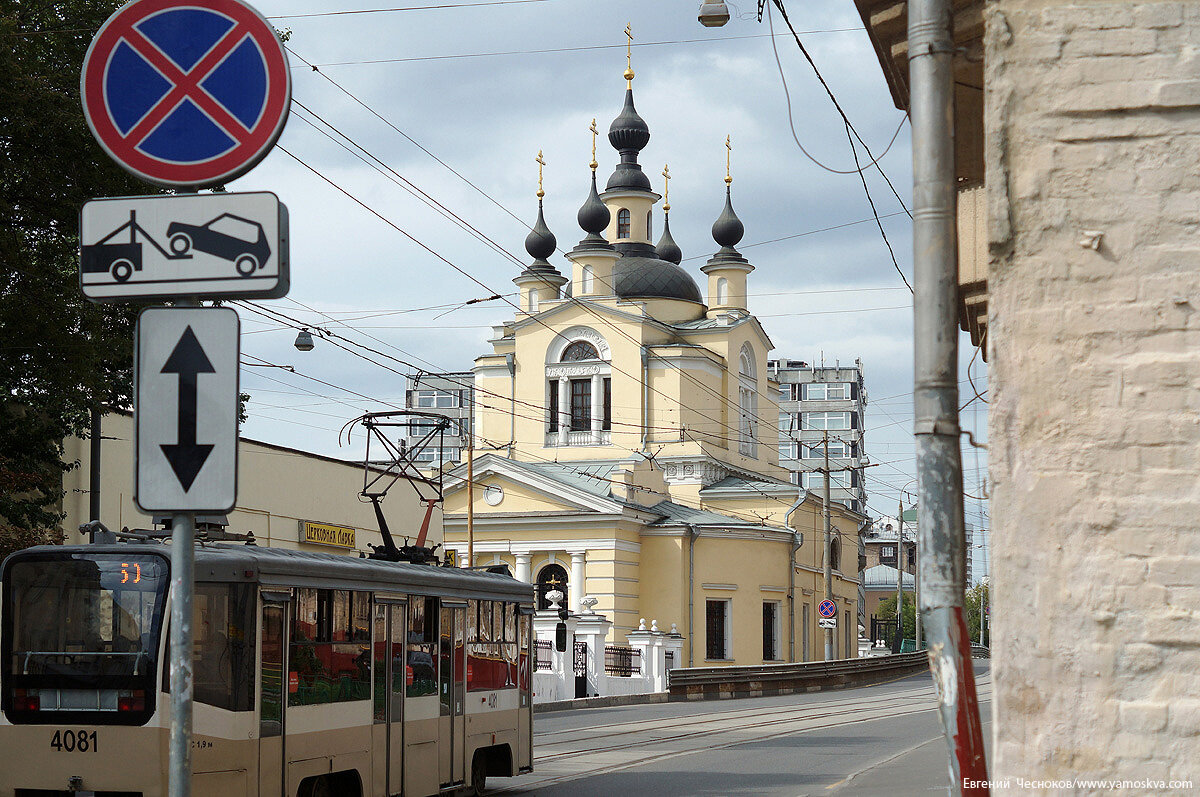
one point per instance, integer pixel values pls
(887, 613)
(978, 597)
(62, 355)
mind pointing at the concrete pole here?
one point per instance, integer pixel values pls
(828, 549)
(183, 533)
(935, 381)
(94, 464)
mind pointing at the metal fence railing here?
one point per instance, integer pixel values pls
(543, 653)
(621, 661)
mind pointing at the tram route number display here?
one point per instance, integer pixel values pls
(69, 741)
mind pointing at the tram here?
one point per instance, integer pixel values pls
(315, 674)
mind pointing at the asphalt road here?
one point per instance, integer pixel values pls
(877, 740)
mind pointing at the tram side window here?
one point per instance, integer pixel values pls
(330, 658)
(421, 674)
(491, 645)
(224, 651)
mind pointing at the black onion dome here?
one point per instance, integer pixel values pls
(628, 134)
(594, 214)
(666, 248)
(628, 131)
(728, 229)
(540, 243)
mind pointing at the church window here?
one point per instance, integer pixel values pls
(649, 224)
(747, 402)
(549, 578)
(835, 554)
(722, 290)
(533, 301)
(552, 412)
(581, 405)
(622, 223)
(607, 404)
(580, 350)
(716, 629)
(587, 283)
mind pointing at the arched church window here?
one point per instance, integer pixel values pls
(588, 280)
(622, 223)
(649, 224)
(835, 554)
(580, 350)
(722, 290)
(747, 402)
(549, 578)
(534, 303)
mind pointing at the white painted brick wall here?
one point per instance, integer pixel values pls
(1093, 125)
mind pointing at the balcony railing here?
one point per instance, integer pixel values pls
(581, 438)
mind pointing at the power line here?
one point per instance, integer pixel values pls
(403, 8)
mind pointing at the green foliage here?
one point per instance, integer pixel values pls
(62, 355)
(976, 597)
(887, 611)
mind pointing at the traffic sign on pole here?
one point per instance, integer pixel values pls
(228, 245)
(186, 93)
(185, 431)
(827, 608)
(827, 622)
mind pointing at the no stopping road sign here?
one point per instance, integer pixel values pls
(186, 92)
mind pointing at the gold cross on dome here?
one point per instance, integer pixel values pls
(595, 132)
(728, 155)
(666, 173)
(629, 54)
(540, 163)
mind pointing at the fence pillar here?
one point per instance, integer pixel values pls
(672, 643)
(644, 642)
(593, 629)
(545, 625)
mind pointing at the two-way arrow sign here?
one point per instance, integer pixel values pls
(187, 399)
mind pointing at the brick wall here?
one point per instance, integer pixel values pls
(1093, 152)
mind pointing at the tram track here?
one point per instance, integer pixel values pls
(642, 746)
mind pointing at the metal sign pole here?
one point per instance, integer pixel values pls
(183, 585)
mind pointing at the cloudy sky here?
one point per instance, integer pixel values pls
(479, 91)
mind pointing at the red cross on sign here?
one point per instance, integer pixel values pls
(186, 92)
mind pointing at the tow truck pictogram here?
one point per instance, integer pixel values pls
(121, 259)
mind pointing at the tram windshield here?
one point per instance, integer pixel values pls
(84, 618)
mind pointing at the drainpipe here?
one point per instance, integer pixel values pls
(797, 541)
(646, 408)
(511, 361)
(935, 383)
(692, 535)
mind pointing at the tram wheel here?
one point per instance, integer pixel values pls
(478, 776)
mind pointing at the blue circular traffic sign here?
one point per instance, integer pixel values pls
(186, 92)
(827, 608)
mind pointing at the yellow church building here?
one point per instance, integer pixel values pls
(626, 431)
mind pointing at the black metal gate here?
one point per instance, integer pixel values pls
(580, 661)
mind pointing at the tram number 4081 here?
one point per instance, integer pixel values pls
(74, 741)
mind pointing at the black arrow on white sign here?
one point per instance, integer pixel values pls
(187, 456)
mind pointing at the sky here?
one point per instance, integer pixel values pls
(458, 102)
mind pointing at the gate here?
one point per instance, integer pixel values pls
(580, 661)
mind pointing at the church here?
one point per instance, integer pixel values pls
(626, 431)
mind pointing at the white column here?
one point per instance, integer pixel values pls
(523, 567)
(597, 407)
(575, 587)
(564, 410)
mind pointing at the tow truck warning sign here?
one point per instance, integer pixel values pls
(227, 245)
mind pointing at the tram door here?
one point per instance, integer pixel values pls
(390, 679)
(272, 755)
(452, 671)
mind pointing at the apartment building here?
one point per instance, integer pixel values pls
(816, 401)
(447, 394)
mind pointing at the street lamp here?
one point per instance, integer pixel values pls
(304, 341)
(713, 15)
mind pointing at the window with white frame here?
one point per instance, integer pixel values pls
(833, 421)
(837, 448)
(589, 276)
(787, 449)
(826, 391)
(435, 454)
(435, 399)
(788, 422)
(785, 392)
(722, 290)
(811, 480)
(771, 631)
